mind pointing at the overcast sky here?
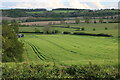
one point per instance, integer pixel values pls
(51, 4)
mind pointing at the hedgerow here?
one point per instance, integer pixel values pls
(45, 72)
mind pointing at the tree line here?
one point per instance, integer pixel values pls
(45, 13)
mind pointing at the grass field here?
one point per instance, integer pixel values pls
(66, 56)
(70, 49)
(112, 28)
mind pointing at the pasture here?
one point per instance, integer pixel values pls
(112, 28)
(70, 49)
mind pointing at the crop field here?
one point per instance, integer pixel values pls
(70, 49)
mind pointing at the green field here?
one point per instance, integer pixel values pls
(112, 28)
(41, 44)
(70, 49)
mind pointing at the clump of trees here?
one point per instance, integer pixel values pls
(12, 48)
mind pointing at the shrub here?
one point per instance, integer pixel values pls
(89, 34)
(106, 28)
(56, 31)
(95, 22)
(82, 28)
(29, 71)
(94, 29)
(66, 33)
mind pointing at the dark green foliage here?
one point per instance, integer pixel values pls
(45, 13)
(66, 9)
(82, 29)
(95, 22)
(106, 28)
(89, 34)
(94, 29)
(65, 32)
(14, 13)
(30, 71)
(56, 31)
(12, 48)
(15, 26)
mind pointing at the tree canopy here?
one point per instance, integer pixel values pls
(12, 48)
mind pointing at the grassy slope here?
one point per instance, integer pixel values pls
(70, 49)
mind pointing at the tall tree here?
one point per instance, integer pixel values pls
(12, 48)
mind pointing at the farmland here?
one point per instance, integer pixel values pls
(61, 43)
(112, 28)
(70, 49)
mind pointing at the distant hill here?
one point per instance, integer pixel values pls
(59, 12)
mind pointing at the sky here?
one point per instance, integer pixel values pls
(52, 4)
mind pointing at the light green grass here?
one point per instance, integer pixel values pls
(99, 28)
(70, 49)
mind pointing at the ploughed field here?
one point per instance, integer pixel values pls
(70, 49)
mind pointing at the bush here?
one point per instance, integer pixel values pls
(66, 33)
(45, 72)
(89, 34)
(95, 22)
(94, 29)
(106, 28)
(82, 28)
(55, 31)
